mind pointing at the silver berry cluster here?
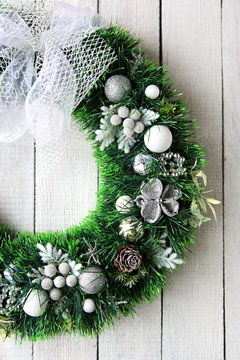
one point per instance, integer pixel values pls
(8, 296)
(171, 164)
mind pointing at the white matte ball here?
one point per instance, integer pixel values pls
(59, 282)
(158, 138)
(89, 306)
(71, 281)
(64, 268)
(55, 294)
(50, 270)
(135, 114)
(123, 112)
(115, 120)
(35, 302)
(152, 92)
(128, 123)
(47, 284)
(124, 204)
(128, 132)
(139, 127)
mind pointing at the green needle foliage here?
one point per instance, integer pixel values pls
(117, 178)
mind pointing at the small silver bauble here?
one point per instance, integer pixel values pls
(131, 229)
(50, 270)
(124, 204)
(115, 120)
(92, 279)
(123, 112)
(59, 281)
(135, 114)
(142, 164)
(71, 281)
(55, 294)
(89, 306)
(47, 284)
(129, 123)
(139, 127)
(152, 92)
(116, 87)
(64, 268)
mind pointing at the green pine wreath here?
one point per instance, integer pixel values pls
(127, 255)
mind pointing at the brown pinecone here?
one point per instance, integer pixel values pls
(127, 259)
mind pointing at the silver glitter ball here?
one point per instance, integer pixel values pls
(92, 279)
(142, 164)
(116, 87)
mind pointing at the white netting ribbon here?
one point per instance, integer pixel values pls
(49, 60)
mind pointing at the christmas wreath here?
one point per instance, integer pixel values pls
(151, 194)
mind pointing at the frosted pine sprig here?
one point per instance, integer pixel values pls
(50, 255)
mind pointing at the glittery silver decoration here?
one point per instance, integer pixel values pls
(116, 87)
(171, 164)
(8, 297)
(92, 279)
(142, 164)
(154, 200)
(131, 228)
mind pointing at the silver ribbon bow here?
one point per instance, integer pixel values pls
(48, 62)
(154, 200)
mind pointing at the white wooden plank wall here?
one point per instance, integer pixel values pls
(197, 317)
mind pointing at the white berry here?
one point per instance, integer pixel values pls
(50, 270)
(135, 114)
(115, 120)
(89, 306)
(124, 204)
(55, 294)
(59, 282)
(139, 127)
(123, 112)
(64, 268)
(129, 123)
(152, 92)
(71, 281)
(47, 284)
(128, 132)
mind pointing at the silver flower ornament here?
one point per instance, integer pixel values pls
(154, 200)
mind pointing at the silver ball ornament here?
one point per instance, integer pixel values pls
(123, 112)
(139, 127)
(55, 294)
(115, 120)
(116, 87)
(131, 229)
(129, 123)
(142, 164)
(124, 204)
(64, 268)
(71, 281)
(92, 279)
(47, 284)
(89, 306)
(135, 114)
(50, 270)
(152, 92)
(59, 281)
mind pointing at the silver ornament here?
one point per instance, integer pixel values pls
(50, 270)
(64, 268)
(131, 229)
(59, 281)
(55, 294)
(92, 279)
(142, 164)
(116, 87)
(71, 281)
(47, 284)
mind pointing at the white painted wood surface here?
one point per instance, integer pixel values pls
(198, 315)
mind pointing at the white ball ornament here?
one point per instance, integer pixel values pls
(64, 268)
(129, 123)
(158, 138)
(47, 284)
(123, 112)
(59, 281)
(71, 281)
(55, 294)
(50, 270)
(135, 114)
(139, 127)
(128, 132)
(115, 120)
(35, 303)
(152, 92)
(89, 306)
(124, 204)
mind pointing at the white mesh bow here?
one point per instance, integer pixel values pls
(49, 59)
